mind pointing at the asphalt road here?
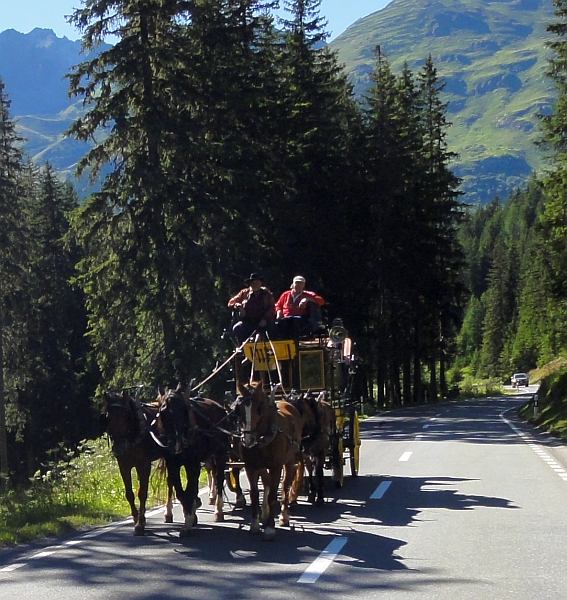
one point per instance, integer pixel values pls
(453, 501)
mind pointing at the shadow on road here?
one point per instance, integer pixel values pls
(225, 561)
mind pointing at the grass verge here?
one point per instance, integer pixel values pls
(74, 494)
(551, 411)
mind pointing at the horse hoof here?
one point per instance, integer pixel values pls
(240, 502)
(198, 502)
(139, 530)
(311, 498)
(211, 501)
(269, 534)
(284, 522)
(254, 529)
(185, 533)
(168, 519)
(218, 518)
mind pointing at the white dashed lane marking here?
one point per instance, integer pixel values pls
(405, 456)
(381, 490)
(322, 563)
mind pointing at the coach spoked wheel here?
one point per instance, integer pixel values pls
(354, 442)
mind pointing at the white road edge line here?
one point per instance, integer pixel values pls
(381, 490)
(536, 449)
(324, 560)
(405, 456)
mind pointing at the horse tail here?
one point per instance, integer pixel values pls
(160, 478)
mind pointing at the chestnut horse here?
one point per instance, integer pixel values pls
(127, 422)
(193, 430)
(318, 428)
(271, 437)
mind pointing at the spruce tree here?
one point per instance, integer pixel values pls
(12, 249)
(555, 142)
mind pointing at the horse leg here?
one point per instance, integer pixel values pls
(240, 498)
(143, 472)
(320, 501)
(168, 514)
(209, 468)
(265, 498)
(174, 479)
(190, 497)
(220, 466)
(311, 494)
(254, 500)
(125, 472)
(298, 482)
(272, 492)
(289, 478)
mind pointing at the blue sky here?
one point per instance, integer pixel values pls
(25, 15)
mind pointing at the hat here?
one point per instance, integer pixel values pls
(253, 277)
(299, 278)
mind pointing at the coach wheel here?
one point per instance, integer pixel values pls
(338, 470)
(354, 442)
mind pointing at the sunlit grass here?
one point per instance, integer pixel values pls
(74, 494)
(550, 414)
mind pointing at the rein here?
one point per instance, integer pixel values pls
(220, 367)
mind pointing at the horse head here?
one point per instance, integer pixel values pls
(256, 412)
(120, 417)
(173, 420)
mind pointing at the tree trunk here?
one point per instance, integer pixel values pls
(381, 380)
(433, 379)
(406, 378)
(442, 376)
(416, 369)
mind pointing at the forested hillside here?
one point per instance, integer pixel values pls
(516, 272)
(512, 322)
(492, 56)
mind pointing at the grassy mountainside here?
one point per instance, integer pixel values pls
(32, 67)
(492, 57)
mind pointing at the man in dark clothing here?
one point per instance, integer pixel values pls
(255, 306)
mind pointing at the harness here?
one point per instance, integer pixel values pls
(139, 420)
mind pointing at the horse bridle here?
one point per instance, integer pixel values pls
(125, 403)
(254, 439)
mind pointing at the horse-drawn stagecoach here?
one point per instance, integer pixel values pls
(297, 406)
(321, 365)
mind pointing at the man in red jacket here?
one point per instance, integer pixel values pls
(255, 306)
(298, 309)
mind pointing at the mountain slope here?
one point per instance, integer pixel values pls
(492, 57)
(32, 67)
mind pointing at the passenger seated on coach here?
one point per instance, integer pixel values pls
(298, 310)
(255, 306)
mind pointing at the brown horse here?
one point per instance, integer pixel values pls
(127, 422)
(194, 432)
(318, 428)
(271, 437)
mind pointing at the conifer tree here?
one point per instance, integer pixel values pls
(12, 249)
(314, 149)
(180, 99)
(555, 141)
(53, 351)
